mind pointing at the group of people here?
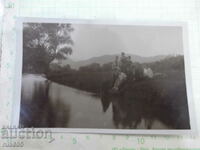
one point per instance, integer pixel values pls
(123, 69)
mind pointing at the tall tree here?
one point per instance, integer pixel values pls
(44, 42)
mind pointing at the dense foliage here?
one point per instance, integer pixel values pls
(42, 43)
(92, 77)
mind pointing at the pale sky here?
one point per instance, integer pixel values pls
(97, 40)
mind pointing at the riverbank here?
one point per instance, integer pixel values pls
(86, 81)
(162, 98)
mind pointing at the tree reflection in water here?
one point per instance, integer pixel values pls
(38, 109)
(126, 113)
(147, 106)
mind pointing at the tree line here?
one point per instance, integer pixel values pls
(91, 77)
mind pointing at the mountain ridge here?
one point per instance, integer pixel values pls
(109, 58)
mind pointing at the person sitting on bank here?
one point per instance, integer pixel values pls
(120, 70)
(121, 78)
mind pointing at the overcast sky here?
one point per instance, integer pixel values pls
(97, 40)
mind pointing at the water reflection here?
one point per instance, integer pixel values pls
(37, 108)
(146, 108)
(128, 113)
(48, 104)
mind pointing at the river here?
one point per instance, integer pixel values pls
(49, 104)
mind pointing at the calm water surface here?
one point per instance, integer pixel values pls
(48, 104)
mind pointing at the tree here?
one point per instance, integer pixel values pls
(44, 42)
(107, 67)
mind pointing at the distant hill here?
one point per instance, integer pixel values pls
(109, 58)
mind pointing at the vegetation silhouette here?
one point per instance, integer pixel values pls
(43, 43)
(162, 98)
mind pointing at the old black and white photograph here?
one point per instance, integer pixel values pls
(103, 76)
